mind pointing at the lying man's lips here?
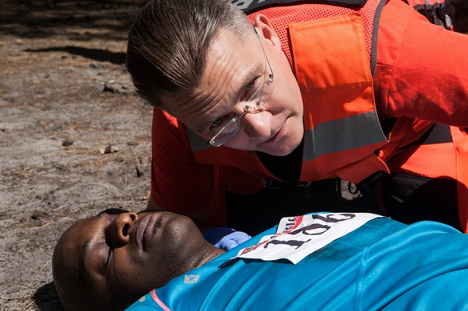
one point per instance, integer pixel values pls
(146, 229)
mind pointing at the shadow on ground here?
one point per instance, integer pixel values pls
(94, 54)
(47, 299)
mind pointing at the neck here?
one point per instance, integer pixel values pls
(206, 254)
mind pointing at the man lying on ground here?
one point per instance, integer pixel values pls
(345, 261)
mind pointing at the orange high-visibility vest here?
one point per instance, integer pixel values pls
(331, 49)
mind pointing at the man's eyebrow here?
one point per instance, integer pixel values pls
(252, 74)
(84, 249)
(247, 80)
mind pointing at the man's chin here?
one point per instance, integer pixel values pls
(280, 148)
(278, 151)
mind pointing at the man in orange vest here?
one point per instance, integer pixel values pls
(366, 91)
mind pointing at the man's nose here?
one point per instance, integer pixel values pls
(118, 231)
(257, 125)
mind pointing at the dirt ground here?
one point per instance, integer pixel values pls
(65, 98)
(74, 137)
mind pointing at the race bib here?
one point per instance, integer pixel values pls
(299, 236)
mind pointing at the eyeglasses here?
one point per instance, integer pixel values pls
(230, 126)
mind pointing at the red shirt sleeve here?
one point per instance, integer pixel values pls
(178, 183)
(422, 69)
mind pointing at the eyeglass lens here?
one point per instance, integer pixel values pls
(253, 105)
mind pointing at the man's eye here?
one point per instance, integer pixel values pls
(217, 122)
(250, 85)
(110, 252)
(250, 88)
(109, 255)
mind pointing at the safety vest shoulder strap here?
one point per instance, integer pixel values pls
(251, 6)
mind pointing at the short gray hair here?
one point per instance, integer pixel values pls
(169, 42)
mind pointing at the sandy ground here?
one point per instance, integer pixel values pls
(74, 137)
(65, 98)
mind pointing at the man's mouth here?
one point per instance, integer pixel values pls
(277, 135)
(148, 227)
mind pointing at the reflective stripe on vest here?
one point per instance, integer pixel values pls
(340, 118)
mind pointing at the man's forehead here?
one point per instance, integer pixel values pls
(231, 65)
(68, 252)
(78, 243)
(230, 54)
(76, 235)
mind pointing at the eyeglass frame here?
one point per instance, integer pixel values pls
(236, 119)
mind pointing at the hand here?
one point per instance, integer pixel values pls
(225, 238)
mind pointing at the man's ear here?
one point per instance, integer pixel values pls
(266, 31)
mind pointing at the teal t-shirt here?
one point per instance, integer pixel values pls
(382, 265)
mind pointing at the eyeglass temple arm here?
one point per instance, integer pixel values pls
(264, 53)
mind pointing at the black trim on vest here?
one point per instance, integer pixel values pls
(375, 35)
(251, 6)
(437, 134)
